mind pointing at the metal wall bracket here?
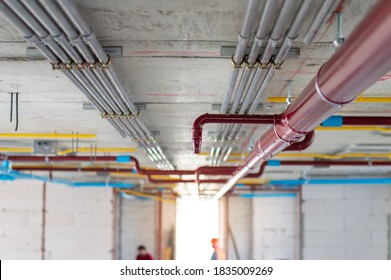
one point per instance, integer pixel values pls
(112, 51)
(217, 107)
(139, 106)
(228, 51)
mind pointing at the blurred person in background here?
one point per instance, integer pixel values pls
(218, 254)
(143, 254)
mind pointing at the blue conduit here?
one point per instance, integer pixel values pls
(336, 181)
(7, 174)
(254, 195)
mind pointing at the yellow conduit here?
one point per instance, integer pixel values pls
(141, 194)
(53, 135)
(16, 150)
(360, 99)
(98, 150)
(253, 181)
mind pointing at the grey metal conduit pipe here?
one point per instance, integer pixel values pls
(269, 75)
(105, 90)
(290, 36)
(246, 30)
(52, 8)
(55, 32)
(96, 104)
(37, 28)
(320, 17)
(85, 30)
(234, 133)
(278, 30)
(100, 90)
(261, 73)
(237, 59)
(276, 34)
(144, 141)
(262, 31)
(257, 86)
(110, 89)
(117, 84)
(269, 72)
(261, 34)
(27, 33)
(231, 131)
(92, 79)
(293, 32)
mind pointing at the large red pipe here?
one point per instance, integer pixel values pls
(363, 59)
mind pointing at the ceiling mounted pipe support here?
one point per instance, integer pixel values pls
(355, 66)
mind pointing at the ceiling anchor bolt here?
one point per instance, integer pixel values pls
(340, 39)
(289, 99)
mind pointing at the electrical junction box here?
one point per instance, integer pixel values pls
(45, 146)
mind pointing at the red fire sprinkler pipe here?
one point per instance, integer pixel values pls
(363, 59)
(242, 119)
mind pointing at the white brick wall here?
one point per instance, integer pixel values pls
(264, 228)
(346, 221)
(137, 226)
(240, 223)
(275, 228)
(20, 219)
(78, 221)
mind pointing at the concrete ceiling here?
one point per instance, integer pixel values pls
(171, 62)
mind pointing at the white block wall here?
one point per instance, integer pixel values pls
(20, 220)
(346, 221)
(275, 228)
(79, 222)
(240, 222)
(137, 226)
(263, 227)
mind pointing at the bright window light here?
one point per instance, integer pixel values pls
(197, 224)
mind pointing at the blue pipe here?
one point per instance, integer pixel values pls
(254, 195)
(336, 181)
(11, 175)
